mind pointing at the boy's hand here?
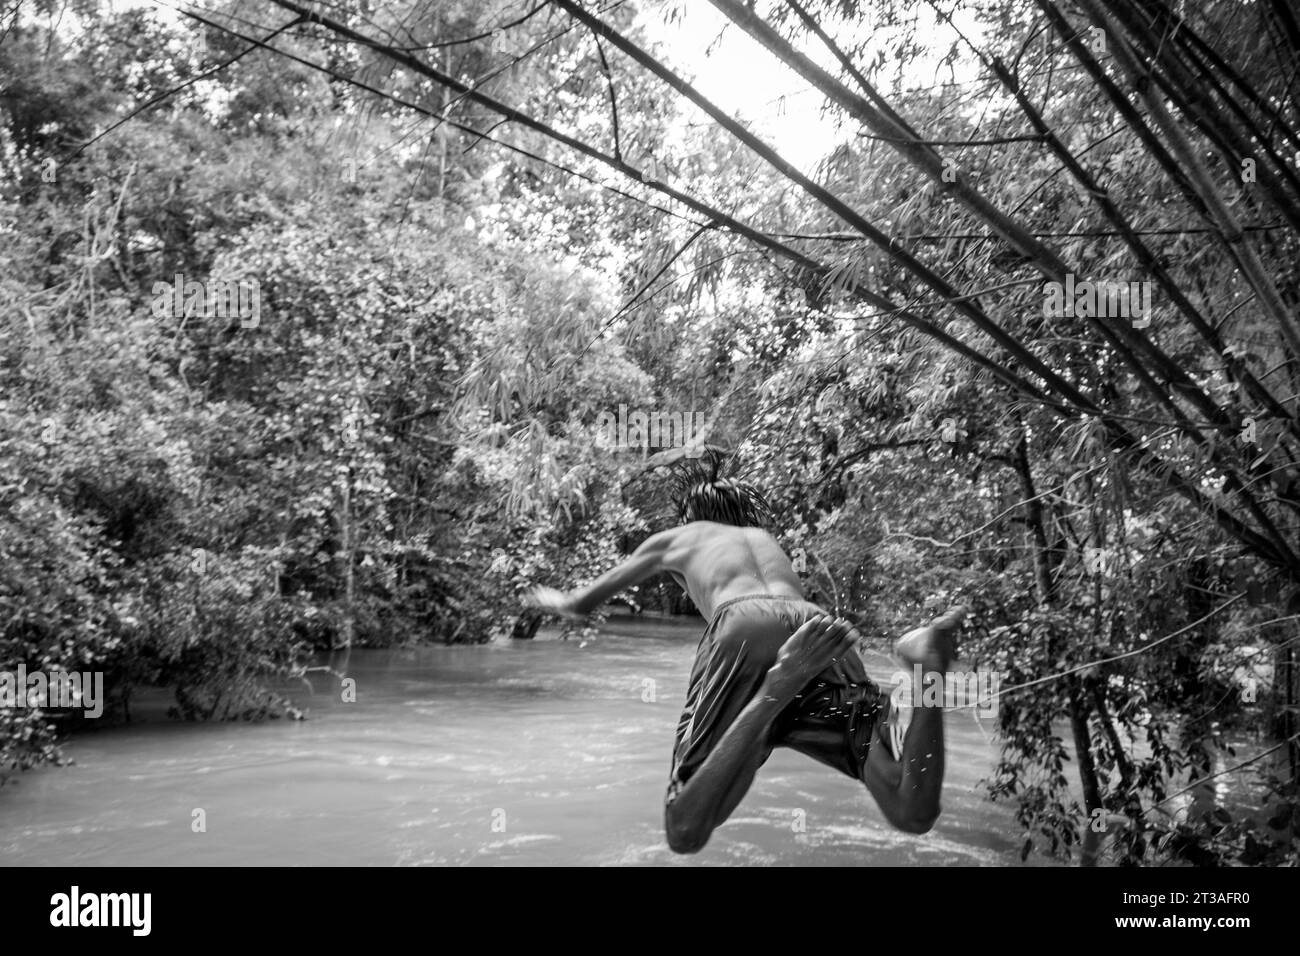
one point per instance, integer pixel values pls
(552, 602)
(816, 645)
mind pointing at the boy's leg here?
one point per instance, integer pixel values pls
(727, 733)
(907, 787)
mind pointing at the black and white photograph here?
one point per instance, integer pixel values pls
(651, 434)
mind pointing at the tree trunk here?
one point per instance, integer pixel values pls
(347, 548)
(1078, 704)
(1079, 713)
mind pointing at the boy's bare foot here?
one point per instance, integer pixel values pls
(933, 646)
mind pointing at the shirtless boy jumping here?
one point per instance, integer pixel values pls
(772, 670)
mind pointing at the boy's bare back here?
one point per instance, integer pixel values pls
(718, 562)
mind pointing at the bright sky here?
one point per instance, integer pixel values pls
(746, 80)
(739, 75)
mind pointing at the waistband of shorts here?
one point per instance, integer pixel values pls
(756, 597)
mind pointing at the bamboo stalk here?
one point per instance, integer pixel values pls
(1147, 258)
(1183, 88)
(1221, 216)
(1193, 42)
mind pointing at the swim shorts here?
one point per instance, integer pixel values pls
(831, 720)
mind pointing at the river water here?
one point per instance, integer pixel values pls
(530, 752)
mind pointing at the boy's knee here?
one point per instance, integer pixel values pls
(683, 835)
(916, 820)
(686, 841)
(917, 824)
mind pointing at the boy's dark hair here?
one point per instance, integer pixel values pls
(724, 501)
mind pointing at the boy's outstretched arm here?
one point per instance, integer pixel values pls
(649, 559)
